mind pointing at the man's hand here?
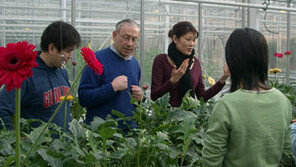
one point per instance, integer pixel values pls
(119, 83)
(136, 92)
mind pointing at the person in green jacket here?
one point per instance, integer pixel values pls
(249, 127)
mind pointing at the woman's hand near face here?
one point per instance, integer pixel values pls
(177, 74)
(226, 73)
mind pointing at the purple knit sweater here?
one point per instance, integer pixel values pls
(161, 74)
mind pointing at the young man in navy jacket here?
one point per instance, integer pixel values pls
(120, 79)
(40, 94)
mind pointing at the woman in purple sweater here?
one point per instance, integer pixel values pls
(180, 71)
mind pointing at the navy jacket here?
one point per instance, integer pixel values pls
(40, 96)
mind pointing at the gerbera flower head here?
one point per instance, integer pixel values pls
(275, 70)
(69, 97)
(288, 52)
(211, 81)
(16, 63)
(279, 55)
(91, 60)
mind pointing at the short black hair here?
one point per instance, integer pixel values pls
(61, 35)
(182, 28)
(247, 59)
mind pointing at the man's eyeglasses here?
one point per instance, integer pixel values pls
(127, 38)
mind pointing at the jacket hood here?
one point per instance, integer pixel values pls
(41, 63)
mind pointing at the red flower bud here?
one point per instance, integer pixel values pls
(74, 63)
(288, 52)
(279, 55)
(145, 87)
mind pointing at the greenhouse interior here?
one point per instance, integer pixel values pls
(167, 136)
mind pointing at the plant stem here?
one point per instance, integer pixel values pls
(149, 155)
(65, 118)
(17, 125)
(53, 115)
(184, 149)
(140, 110)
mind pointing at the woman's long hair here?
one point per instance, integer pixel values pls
(247, 59)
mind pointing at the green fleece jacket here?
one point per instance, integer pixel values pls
(248, 129)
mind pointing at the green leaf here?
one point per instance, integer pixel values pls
(118, 114)
(91, 138)
(117, 154)
(131, 142)
(55, 162)
(162, 136)
(97, 154)
(79, 151)
(57, 145)
(118, 135)
(95, 124)
(162, 146)
(174, 152)
(163, 101)
(76, 129)
(9, 161)
(110, 143)
(35, 133)
(6, 148)
(90, 159)
(187, 127)
(134, 101)
(107, 133)
(188, 102)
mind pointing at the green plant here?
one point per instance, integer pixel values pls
(289, 91)
(165, 136)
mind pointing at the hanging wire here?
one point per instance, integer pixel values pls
(266, 3)
(161, 4)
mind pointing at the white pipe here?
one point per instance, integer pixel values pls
(238, 4)
(142, 39)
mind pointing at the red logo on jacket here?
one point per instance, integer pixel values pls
(52, 96)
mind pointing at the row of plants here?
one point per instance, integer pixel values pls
(165, 136)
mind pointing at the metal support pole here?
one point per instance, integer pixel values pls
(288, 45)
(277, 44)
(3, 32)
(167, 27)
(253, 18)
(142, 43)
(73, 22)
(248, 14)
(200, 31)
(243, 16)
(64, 12)
(73, 13)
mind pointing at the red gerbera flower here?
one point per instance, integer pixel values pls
(91, 60)
(279, 55)
(288, 52)
(16, 63)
